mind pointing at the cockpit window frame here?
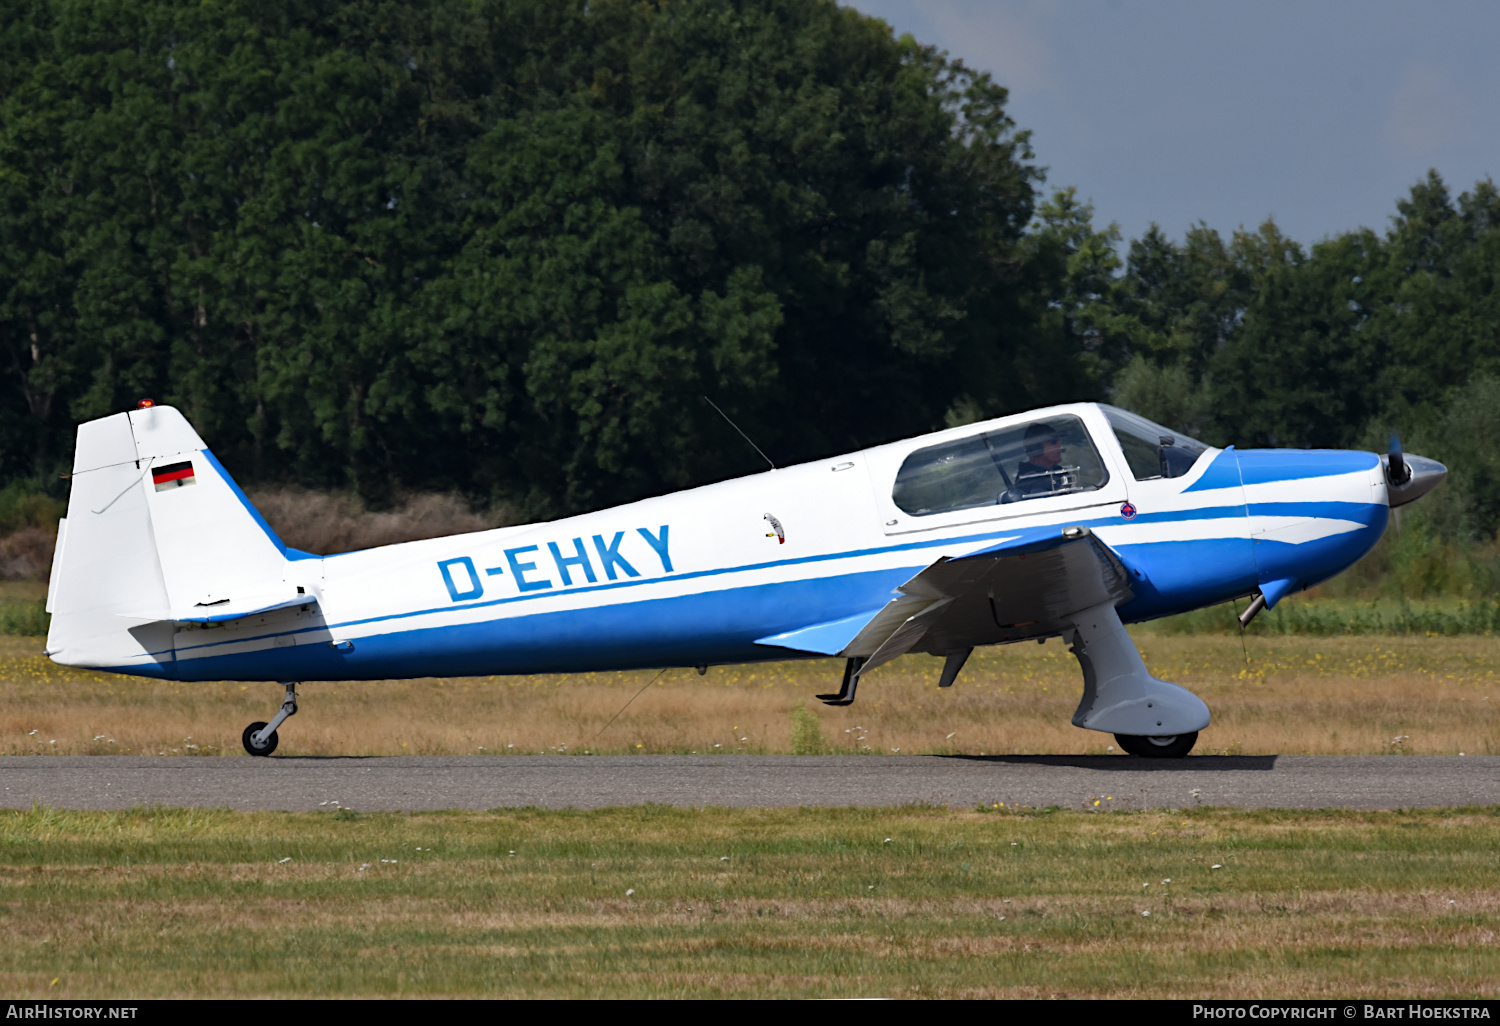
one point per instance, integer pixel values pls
(885, 460)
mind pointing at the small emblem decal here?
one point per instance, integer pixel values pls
(1127, 511)
(776, 530)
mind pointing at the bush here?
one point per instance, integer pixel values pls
(807, 733)
(26, 555)
(28, 619)
(327, 523)
(23, 504)
(1328, 618)
(28, 530)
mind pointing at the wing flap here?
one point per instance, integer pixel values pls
(905, 637)
(890, 618)
(1026, 585)
(1028, 588)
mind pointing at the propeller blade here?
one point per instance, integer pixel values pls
(1397, 472)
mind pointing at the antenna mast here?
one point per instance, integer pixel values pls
(737, 428)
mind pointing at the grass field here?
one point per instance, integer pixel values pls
(1295, 695)
(659, 902)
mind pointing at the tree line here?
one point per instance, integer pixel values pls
(505, 247)
(1259, 341)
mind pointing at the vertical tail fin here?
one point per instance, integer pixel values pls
(155, 529)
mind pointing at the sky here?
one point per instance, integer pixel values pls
(1319, 113)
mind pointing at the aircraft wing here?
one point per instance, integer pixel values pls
(1027, 585)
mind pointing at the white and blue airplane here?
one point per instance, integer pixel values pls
(1067, 521)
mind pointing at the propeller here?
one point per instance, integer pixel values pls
(1397, 472)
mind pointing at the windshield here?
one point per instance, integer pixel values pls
(1151, 450)
(1028, 461)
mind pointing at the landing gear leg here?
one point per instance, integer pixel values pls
(260, 737)
(1148, 717)
(845, 694)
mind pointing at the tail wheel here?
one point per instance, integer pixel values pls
(266, 747)
(1173, 746)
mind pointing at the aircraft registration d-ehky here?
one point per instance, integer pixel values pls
(1070, 521)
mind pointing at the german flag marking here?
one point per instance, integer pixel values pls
(174, 475)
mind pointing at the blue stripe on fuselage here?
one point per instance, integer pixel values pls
(687, 630)
(1356, 511)
(1268, 466)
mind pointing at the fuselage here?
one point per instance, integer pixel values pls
(696, 577)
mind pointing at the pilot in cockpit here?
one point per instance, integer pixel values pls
(1041, 472)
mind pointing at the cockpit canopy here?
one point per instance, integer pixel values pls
(1042, 458)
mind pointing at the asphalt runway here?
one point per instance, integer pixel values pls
(487, 782)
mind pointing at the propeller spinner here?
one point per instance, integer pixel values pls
(1410, 477)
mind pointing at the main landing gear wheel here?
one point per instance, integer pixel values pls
(1174, 746)
(248, 739)
(260, 738)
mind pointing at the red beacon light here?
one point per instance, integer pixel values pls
(145, 404)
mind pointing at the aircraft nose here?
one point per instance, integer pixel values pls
(1312, 514)
(1424, 476)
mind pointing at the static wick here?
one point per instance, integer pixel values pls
(737, 428)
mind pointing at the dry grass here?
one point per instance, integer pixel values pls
(329, 522)
(26, 554)
(654, 902)
(1296, 696)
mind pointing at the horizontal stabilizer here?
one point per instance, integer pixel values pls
(225, 610)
